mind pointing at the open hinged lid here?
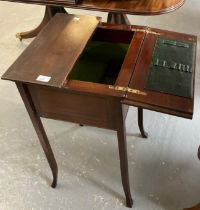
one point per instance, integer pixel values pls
(163, 79)
(52, 55)
(108, 60)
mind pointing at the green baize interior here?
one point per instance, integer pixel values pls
(100, 62)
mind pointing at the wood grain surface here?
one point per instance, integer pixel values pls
(54, 52)
(136, 7)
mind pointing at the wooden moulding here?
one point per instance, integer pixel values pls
(135, 7)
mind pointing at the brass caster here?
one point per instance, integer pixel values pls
(18, 35)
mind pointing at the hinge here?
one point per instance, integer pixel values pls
(119, 88)
(135, 91)
(127, 89)
(145, 31)
(153, 32)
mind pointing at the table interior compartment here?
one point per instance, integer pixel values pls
(102, 58)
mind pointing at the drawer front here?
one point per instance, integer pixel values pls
(74, 107)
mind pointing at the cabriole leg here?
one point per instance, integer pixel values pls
(140, 123)
(26, 97)
(50, 11)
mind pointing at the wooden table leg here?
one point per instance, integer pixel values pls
(122, 145)
(26, 97)
(140, 123)
(50, 11)
(118, 18)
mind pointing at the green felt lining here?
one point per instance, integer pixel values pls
(100, 62)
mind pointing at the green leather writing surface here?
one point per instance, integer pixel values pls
(172, 68)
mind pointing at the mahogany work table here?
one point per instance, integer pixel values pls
(88, 72)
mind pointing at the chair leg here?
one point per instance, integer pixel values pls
(140, 123)
(50, 11)
(122, 145)
(26, 97)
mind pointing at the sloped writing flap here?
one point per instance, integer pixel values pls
(165, 102)
(52, 55)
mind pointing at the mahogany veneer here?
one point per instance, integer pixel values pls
(101, 103)
(135, 7)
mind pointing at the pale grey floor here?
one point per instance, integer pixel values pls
(164, 169)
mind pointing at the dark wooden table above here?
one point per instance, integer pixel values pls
(117, 9)
(135, 7)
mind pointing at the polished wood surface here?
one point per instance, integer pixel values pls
(73, 106)
(123, 154)
(60, 42)
(64, 103)
(136, 7)
(90, 103)
(37, 123)
(117, 10)
(154, 100)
